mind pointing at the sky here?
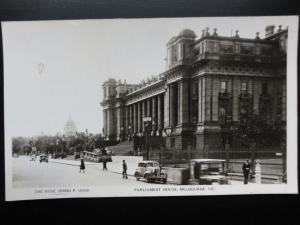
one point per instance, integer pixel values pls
(54, 70)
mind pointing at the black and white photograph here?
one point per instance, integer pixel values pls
(150, 107)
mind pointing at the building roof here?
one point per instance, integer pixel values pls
(187, 33)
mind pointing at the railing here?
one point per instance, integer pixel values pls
(272, 159)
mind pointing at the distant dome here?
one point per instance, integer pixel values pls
(70, 128)
(110, 81)
(187, 33)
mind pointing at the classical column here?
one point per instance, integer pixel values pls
(171, 105)
(130, 116)
(104, 131)
(159, 113)
(167, 107)
(183, 100)
(110, 120)
(139, 116)
(127, 116)
(149, 107)
(179, 100)
(143, 114)
(154, 112)
(135, 118)
(200, 92)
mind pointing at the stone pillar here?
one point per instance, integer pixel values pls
(144, 113)
(149, 111)
(256, 95)
(131, 116)
(104, 131)
(183, 99)
(179, 100)
(139, 109)
(203, 99)
(215, 98)
(208, 98)
(159, 113)
(257, 172)
(154, 112)
(171, 105)
(110, 120)
(127, 118)
(235, 99)
(167, 108)
(192, 179)
(135, 118)
(200, 100)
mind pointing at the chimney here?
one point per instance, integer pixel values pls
(269, 30)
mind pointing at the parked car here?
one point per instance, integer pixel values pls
(209, 171)
(151, 171)
(43, 158)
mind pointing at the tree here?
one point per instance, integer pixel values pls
(257, 129)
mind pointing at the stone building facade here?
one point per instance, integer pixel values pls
(209, 81)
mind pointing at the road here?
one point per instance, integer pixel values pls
(33, 174)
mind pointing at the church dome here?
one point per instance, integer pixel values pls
(70, 128)
(187, 33)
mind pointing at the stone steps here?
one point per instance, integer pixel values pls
(123, 148)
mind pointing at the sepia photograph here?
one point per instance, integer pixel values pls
(150, 107)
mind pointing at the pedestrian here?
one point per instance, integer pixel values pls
(246, 171)
(82, 166)
(124, 173)
(104, 164)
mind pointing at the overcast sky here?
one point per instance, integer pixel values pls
(55, 69)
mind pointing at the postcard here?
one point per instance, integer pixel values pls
(150, 107)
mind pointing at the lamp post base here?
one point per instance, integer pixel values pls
(193, 182)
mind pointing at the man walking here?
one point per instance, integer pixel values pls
(246, 171)
(104, 164)
(124, 173)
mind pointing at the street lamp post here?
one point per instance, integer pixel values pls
(147, 121)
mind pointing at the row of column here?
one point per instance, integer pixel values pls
(177, 103)
(151, 107)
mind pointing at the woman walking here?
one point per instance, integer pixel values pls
(82, 166)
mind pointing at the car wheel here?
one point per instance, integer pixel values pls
(137, 178)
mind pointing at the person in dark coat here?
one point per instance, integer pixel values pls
(246, 171)
(104, 164)
(82, 166)
(124, 173)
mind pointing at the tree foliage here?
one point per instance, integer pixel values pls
(257, 129)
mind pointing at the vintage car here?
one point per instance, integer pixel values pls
(150, 171)
(43, 158)
(209, 171)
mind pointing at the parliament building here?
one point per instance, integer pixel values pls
(210, 81)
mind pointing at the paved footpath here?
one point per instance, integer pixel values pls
(115, 166)
(59, 173)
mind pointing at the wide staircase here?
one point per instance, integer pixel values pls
(122, 148)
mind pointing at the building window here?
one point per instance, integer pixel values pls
(244, 87)
(223, 87)
(264, 88)
(222, 112)
(172, 142)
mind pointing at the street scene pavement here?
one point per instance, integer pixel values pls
(59, 172)
(65, 172)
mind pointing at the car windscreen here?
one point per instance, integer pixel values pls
(141, 165)
(210, 167)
